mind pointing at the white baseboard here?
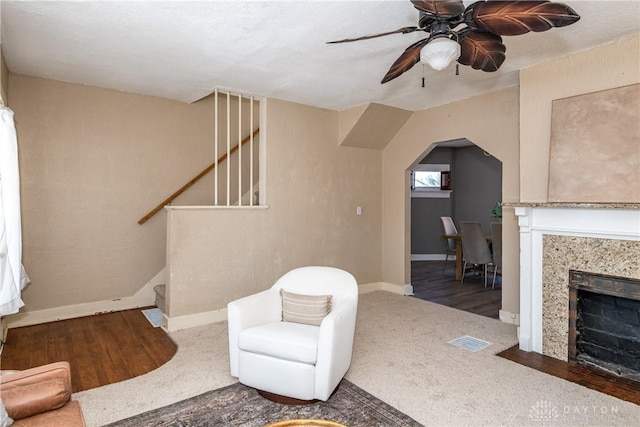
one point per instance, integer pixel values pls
(143, 298)
(385, 286)
(199, 319)
(192, 320)
(508, 317)
(146, 297)
(431, 257)
(171, 324)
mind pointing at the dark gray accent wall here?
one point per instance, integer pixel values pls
(425, 224)
(426, 212)
(439, 155)
(477, 185)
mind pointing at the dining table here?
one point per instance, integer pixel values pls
(458, 239)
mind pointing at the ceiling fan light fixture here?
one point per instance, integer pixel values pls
(440, 52)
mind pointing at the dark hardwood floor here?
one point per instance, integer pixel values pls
(101, 349)
(430, 284)
(595, 379)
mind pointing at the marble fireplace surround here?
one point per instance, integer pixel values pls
(557, 237)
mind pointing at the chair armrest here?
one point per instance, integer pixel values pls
(256, 309)
(335, 347)
(36, 390)
(52, 371)
(253, 310)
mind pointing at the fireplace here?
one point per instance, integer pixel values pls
(604, 323)
(556, 238)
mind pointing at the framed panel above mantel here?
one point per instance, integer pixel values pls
(595, 147)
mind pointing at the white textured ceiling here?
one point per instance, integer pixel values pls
(182, 50)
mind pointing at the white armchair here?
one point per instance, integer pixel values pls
(296, 360)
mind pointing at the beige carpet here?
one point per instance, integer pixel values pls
(401, 356)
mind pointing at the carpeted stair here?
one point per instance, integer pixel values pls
(160, 290)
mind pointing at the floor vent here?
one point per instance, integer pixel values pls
(470, 343)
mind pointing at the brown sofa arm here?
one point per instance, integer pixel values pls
(36, 390)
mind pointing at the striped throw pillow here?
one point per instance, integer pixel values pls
(306, 309)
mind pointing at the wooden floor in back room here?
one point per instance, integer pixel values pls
(433, 283)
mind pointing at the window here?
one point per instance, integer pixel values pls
(426, 179)
(431, 180)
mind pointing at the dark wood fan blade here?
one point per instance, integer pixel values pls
(445, 8)
(482, 51)
(408, 59)
(403, 30)
(512, 18)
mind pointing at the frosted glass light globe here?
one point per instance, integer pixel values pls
(439, 53)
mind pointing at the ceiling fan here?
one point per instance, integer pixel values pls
(471, 35)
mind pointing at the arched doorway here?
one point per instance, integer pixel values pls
(473, 190)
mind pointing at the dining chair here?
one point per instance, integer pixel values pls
(496, 243)
(449, 245)
(475, 249)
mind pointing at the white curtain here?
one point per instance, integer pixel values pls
(12, 275)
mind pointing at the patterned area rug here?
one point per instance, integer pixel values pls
(238, 405)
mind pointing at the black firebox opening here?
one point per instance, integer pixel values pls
(608, 333)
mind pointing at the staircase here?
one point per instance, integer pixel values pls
(236, 167)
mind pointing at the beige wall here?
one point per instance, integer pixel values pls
(491, 122)
(4, 79)
(613, 65)
(374, 128)
(313, 187)
(347, 119)
(515, 129)
(92, 163)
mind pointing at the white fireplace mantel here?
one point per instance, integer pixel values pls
(618, 222)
